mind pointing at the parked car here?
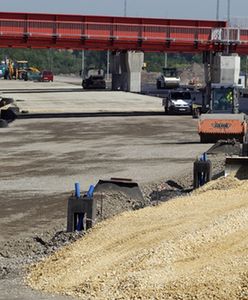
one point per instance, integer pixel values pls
(46, 76)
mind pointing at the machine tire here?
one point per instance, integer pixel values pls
(3, 123)
(158, 85)
(195, 113)
(245, 145)
(204, 139)
(166, 111)
(245, 149)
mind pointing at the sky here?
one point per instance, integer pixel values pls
(177, 9)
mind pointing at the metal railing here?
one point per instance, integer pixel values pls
(230, 35)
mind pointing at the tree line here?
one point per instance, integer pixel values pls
(70, 61)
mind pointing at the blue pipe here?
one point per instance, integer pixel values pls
(204, 157)
(77, 190)
(90, 191)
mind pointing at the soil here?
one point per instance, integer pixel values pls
(192, 248)
(31, 247)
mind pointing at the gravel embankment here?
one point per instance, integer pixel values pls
(195, 248)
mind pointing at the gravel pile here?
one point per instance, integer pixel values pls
(114, 203)
(195, 248)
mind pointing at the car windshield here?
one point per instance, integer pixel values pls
(47, 73)
(181, 95)
(222, 99)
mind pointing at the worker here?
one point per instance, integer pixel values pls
(229, 97)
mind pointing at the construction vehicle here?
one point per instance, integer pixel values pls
(21, 69)
(178, 101)
(14, 69)
(168, 79)
(222, 120)
(94, 79)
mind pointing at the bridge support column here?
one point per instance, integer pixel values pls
(220, 69)
(126, 71)
(207, 61)
(225, 68)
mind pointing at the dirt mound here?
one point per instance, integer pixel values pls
(223, 183)
(192, 248)
(196, 71)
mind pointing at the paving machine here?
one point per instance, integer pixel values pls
(94, 79)
(222, 120)
(168, 79)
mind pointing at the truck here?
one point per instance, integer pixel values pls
(168, 79)
(222, 120)
(178, 101)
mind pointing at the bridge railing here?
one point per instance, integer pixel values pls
(114, 31)
(230, 35)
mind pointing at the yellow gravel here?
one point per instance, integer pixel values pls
(195, 247)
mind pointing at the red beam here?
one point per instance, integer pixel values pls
(29, 30)
(112, 19)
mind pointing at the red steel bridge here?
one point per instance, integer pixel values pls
(32, 30)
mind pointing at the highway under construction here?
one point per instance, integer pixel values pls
(156, 210)
(43, 158)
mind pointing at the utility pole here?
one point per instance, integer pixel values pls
(228, 11)
(125, 8)
(83, 64)
(218, 10)
(165, 60)
(108, 64)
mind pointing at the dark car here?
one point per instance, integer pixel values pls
(47, 76)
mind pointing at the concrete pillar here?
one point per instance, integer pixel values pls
(225, 69)
(220, 69)
(126, 71)
(134, 62)
(207, 61)
(115, 69)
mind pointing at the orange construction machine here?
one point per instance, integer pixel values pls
(223, 120)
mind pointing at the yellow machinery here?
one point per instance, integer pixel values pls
(21, 68)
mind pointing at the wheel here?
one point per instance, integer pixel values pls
(204, 139)
(3, 123)
(196, 113)
(158, 85)
(245, 138)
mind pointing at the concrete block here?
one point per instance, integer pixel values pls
(225, 69)
(126, 71)
(81, 213)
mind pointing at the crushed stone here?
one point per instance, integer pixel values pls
(195, 248)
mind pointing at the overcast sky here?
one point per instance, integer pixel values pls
(190, 9)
